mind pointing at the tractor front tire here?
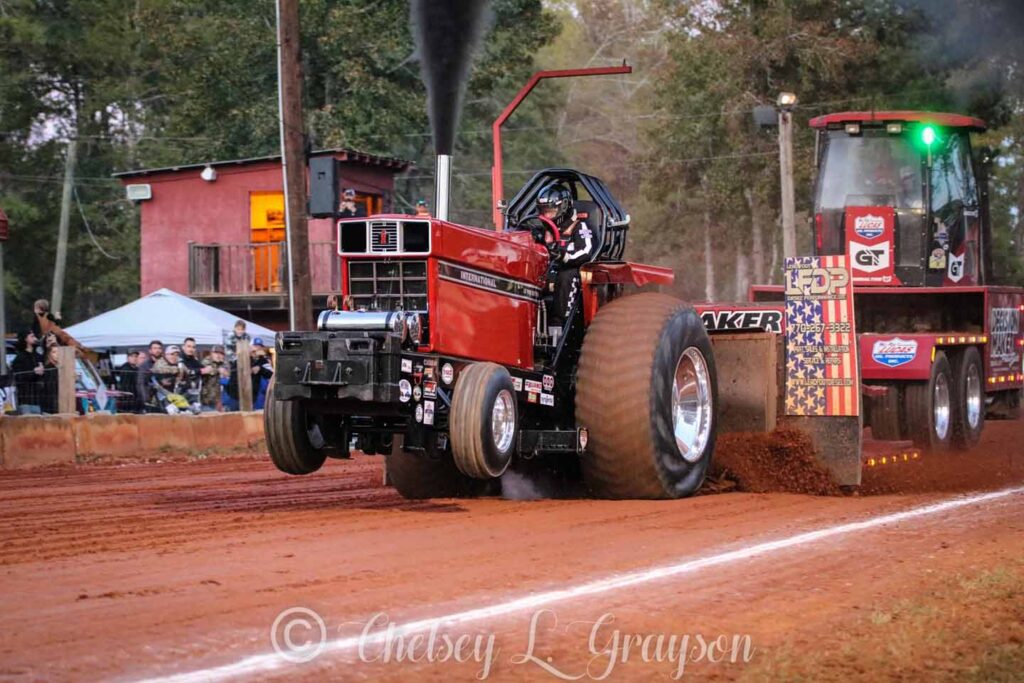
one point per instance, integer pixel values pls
(429, 475)
(287, 430)
(484, 421)
(968, 398)
(928, 407)
(647, 392)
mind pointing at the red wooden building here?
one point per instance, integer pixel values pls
(215, 231)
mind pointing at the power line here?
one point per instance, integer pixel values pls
(85, 221)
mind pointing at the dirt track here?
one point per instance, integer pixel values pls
(149, 570)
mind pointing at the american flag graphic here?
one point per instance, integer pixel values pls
(821, 358)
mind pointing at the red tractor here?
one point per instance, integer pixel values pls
(903, 196)
(448, 367)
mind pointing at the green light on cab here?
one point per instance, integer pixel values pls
(928, 135)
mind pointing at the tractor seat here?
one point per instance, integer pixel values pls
(594, 220)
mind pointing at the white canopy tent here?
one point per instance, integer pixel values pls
(164, 315)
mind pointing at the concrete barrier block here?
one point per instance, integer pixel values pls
(35, 440)
(158, 432)
(109, 435)
(254, 427)
(219, 430)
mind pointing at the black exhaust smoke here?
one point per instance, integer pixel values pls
(447, 33)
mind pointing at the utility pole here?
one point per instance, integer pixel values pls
(4, 230)
(786, 102)
(62, 230)
(293, 164)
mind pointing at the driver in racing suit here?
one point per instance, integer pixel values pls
(570, 243)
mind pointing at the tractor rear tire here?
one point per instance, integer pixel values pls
(647, 392)
(968, 398)
(885, 415)
(429, 475)
(484, 421)
(929, 407)
(287, 429)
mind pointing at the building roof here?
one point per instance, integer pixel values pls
(938, 119)
(343, 154)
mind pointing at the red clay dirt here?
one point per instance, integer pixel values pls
(139, 570)
(781, 461)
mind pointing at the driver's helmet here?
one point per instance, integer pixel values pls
(555, 196)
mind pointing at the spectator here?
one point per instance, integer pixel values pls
(126, 379)
(126, 374)
(143, 390)
(48, 401)
(28, 373)
(229, 400)
(212, 366)
(332, 303)
(349, 208)
(188, 355)
(169, 372)
(193, 365)
(46, 329)
(238, 335)
(262, 369)
(421, 209)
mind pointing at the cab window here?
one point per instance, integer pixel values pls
(948, 179)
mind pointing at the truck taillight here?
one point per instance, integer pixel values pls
(819, 233)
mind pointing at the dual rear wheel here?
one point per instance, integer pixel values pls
(947, 411)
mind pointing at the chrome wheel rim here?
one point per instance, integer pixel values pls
(503, 420)
(940, 407)
(691, 405)
(973, 398)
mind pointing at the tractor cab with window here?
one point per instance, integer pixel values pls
(901, 194)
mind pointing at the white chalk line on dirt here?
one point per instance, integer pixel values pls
(271, 661)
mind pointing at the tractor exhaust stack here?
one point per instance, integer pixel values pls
(442, 185)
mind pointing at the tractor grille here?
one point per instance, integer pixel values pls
(388, 285)
(383, 236)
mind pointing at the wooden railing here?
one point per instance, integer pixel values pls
(257, 268)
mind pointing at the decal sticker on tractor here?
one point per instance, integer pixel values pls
(956, 268)
(869, 226)
(430, 390)
(428, 412)
(870, 244)
(547, 400)
(1004, 326)
(407, 365)
(743, 319)
(894, 352)
(869, 258)
(517, 383)
(534, 386)
(821, 357)
(531, 397)
(549, 382)
(452, 272)
(404, 390)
